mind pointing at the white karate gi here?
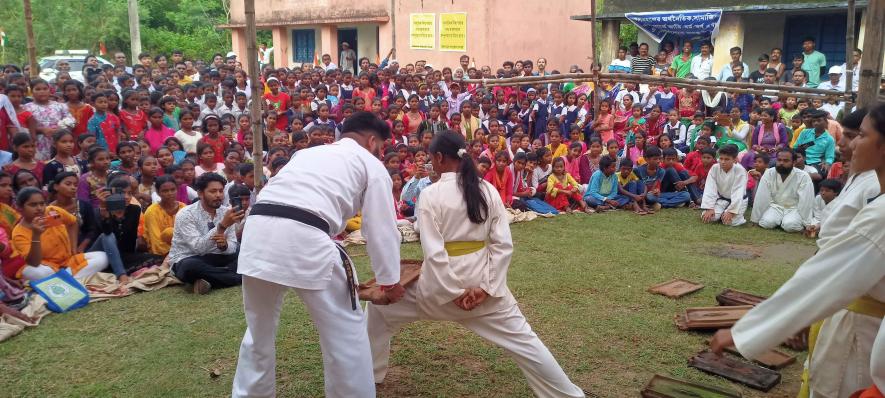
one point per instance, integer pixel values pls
(785, 203)
(836, 354)
(334, 182)
(726, 191)
(816, 291)
(821, 209)
(444, 278)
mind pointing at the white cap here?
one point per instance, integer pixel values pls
(835, 70)
(231, 54)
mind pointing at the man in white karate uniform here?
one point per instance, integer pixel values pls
(287, 245)
(845, 281)
(725, 190)
(784, 196)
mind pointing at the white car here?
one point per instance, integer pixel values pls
(75, 59)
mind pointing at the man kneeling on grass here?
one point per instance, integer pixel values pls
(204, 246)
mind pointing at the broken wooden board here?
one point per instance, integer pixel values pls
(714, 317)
(667, 387)
(748, 374)
(409, 272)
(731, 297)
(772, 359)
(675, 288)
(679, 320)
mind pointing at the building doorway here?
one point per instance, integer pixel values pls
(350, 37)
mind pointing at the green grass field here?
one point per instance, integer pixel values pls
(580, 280)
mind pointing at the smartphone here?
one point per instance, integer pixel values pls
(428, 167)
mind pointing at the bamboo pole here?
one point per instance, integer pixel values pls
(871, 61)
(649, 79)
(134, 30)
(594, 60)
(849, 54)
(32, 43)
(255, 106)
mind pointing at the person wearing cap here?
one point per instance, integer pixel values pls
(307, 203)
(820, 146)
(836, 82)
(347, 57)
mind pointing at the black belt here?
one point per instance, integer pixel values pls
(307, 218)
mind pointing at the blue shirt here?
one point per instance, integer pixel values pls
(596, 182)
(823, 150)
(648, 180)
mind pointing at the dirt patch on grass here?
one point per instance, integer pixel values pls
(735, 252)
(789, 252)
(397, 383)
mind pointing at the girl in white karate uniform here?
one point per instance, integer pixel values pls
(464, 275)
(846, 273)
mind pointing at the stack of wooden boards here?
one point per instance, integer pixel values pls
(733, 304)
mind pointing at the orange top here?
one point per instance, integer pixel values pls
(58, 251)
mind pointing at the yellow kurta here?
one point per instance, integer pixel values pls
(158, 227)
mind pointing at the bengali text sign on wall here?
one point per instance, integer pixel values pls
(422, 31)
(453, 31)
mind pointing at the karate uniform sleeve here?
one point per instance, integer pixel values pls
(738, 191)
(500, 247)
(711, 189)
(446, 286)
(763, 196)
(814, 292)
(806, 200)
(379, 229)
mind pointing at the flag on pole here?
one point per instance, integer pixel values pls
(3, 39)
(102, 50)
(316, 59)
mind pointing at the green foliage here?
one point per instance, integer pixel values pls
(628, 33)
(165, 25)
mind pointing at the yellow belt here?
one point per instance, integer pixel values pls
(868, 306)
(463, 247)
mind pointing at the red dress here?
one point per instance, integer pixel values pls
(279, 102)
(135, 123)
(82, 116)
(218, 144)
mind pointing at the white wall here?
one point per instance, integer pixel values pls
(762, 32)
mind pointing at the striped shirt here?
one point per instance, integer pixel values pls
(642, 65)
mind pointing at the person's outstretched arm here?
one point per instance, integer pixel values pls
(379, 229)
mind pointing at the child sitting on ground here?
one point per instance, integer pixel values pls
(823, 203)
(602, 192)
(563, 192)
(629, 186)
(502, 178)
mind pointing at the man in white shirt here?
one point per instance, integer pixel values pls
(836, 81)
(347, 57)
(784, 196)
(327, 63)
(702, 64)
(287, 245)
(855, 71)
(264, 54)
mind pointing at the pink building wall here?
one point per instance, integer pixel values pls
(498, 30)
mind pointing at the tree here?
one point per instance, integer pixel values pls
(76, 25)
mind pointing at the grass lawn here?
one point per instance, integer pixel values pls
(579, 279)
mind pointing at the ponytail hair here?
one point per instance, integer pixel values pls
(453, 146)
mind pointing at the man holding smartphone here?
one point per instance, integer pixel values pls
(287, 244)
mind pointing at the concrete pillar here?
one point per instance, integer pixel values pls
(328, 42)
(731, 34)
(282, 47)
(608, 42)
(385, 42)
(238, 43)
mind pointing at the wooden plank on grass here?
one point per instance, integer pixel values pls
(753, 376)
(667, 387)
(731, 297)
(676, 288)
(772, 359)
(410, 270)
(714, 317)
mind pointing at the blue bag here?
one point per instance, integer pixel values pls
(539, 206)
(61, 291)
